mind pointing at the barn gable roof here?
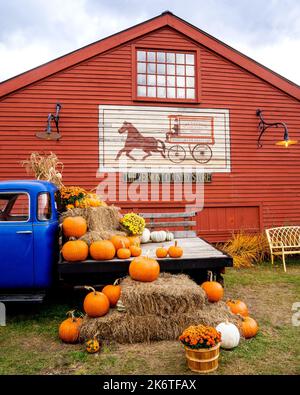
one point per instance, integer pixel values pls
(163, 20)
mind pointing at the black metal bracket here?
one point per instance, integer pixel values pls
(263, 126)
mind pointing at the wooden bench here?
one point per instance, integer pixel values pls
(283, 240)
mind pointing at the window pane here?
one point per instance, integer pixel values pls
(171, 81)
(180, 70)
(141, 91)
(180, 81)
(161, 80)
(190, 93)
(44, 207)
(14, 207)
(190, 70)
(189, 59)
(161, 92)
(190, 82)
(151, 57)
(141, 68)
(181, 93)
(170, 58)
(151, 68)
(151, 80)
(170, 69)
(180, 58)
(141, 79)
(171, 93)
(161, 68)
(141, 55)
(151, 92)
(161, 56)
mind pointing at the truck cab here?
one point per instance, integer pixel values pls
(28, 235)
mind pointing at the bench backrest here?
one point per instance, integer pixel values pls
(171, 221)
(288, 236)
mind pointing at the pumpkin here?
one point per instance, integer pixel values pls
(113, 292)
(120, 241)
(75, 250)
(161, 252)
(92, 346)
(158, 236)
(143, 268)
(238, 307)
(169, 236)
(102, 250)
(135, 250)
(123, 253)
(134, 240)
(69, 329)
(214, 290)
(95, 304)
(249, 327)
(74, 226)
(145, 238)
(175, 251)
(230, 335)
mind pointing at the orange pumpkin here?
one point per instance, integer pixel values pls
(95, 304)
(143, 268)
(74, 226)
(249, 327)
(161, 252)
(123, 253)
(214, 290)
(134, 240)
(75, 250)
(69, 329)
(238, 307)
(113, 292)
(120, 241)
(175, 251)
(102, 250)
(135, 250)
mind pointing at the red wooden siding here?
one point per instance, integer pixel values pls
(263, 187)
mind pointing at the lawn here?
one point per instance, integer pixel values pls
(29, 343)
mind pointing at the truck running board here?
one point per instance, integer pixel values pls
(27, 298)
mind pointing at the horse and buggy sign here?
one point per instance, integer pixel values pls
(160, 138)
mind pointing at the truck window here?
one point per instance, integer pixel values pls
(43, 206)
(14, 207)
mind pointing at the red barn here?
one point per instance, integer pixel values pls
(164, 95)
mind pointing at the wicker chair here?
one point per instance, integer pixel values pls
(284, 240)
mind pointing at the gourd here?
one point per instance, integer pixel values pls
(92, 346)
(120, 241)
(113, 292)
(144, 269)
(175, 251)
(214, 290)
(102, 250)
(69, 329)
(135, 250)
(169, 236)
(230, 335)
(238, 307)
(95, 304)
(123, 252)
(249, 327)
(75, 250)
(158, 236)
(74, 226)
(161, 252)
(145, 238)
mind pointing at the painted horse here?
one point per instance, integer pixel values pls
(135, 140)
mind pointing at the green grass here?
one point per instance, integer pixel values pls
(29, 343)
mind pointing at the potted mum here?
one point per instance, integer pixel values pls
(202, 344)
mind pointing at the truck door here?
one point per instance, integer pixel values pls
(16, 240)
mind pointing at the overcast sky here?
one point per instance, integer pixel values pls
(33, 32)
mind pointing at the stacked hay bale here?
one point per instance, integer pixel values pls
(159, 310)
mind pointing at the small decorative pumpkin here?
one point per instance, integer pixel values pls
(124, 252)
(214, 290)
(169, 236)
(144, 269)
(96, 304)
(102, 250)
(238, 307)
(158, 236)
(161, 252)
(135, 250)
(75, 250)
(92, 346)
(113, 292)
(69, 329)
(145, 238)
(249, 327)
(134, 240)
(175, 251)
(230, 335)
(120, 241)
(74, 226)
(120, 306)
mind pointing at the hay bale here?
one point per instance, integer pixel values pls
(169, 294)
(128, 328)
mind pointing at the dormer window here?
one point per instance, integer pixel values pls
(165, 75)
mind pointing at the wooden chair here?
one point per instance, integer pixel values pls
(284, 240)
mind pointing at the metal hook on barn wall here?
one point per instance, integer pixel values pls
(263, 126)
(48, 134)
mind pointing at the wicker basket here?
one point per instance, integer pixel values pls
(204, 360)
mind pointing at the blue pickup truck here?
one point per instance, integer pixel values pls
(30, 261)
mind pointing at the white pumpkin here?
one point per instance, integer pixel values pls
(158, 236)
(230, 335)
(169, 236)
(145, 236)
